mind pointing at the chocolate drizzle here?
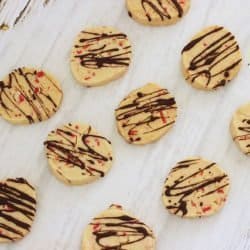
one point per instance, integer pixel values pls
(104, 55)
(245, 128)
(241, 128)
(183, 189)
(144, 111)
(22, 87)
(64, 147)
(159, 9)
(123, 231)
(17, 209)
(215, 61)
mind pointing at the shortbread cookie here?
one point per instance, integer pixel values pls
(28, 96)
(100, 55)
(116, 229)
(195, 188)
(17, 209)
(211, 59)
(157, 12)
(146, 114)
(78, 154)
(240, 128)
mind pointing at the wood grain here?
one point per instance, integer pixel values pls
(44, 39)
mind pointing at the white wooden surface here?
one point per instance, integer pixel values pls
(44, 40)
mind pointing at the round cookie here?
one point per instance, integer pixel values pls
(157, 12)
(211, 59)
(100, 55)
(146, 114)
(195, 188)
(116, 229)
(28, 95)
(17, 209)
(240, 128)
(78, 154)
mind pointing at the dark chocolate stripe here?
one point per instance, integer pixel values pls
(159, 8)
(120, 229)
(29, 95)
(147, 104)
(245, 128)
(65, 149)
(194, 42)
(102, 57)
(15, 200)
(212, 55)
(182, 191)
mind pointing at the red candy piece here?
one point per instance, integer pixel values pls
(132, 132)
(96, 227)
(163, 118)
(220, 191)
(40, 74)
(21, 98)
(193, 204)
(8, 208)
(97, 142)
(206, 209)
(36, 90)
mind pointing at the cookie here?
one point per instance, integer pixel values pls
(78, 154)
(17, 209)
(116, 229)
(28, 95)
(157, 12)
(212, 58)
(240, 128)
(195, 188)
(146, 114)
(100, 55)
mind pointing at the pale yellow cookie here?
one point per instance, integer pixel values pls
(212, 58)
(78, 154)
(17, 209)
(100, 55)
(117, 229)
(240, 128)
(195, 188)
(157, 12)
(28, 96)
(146, 114)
